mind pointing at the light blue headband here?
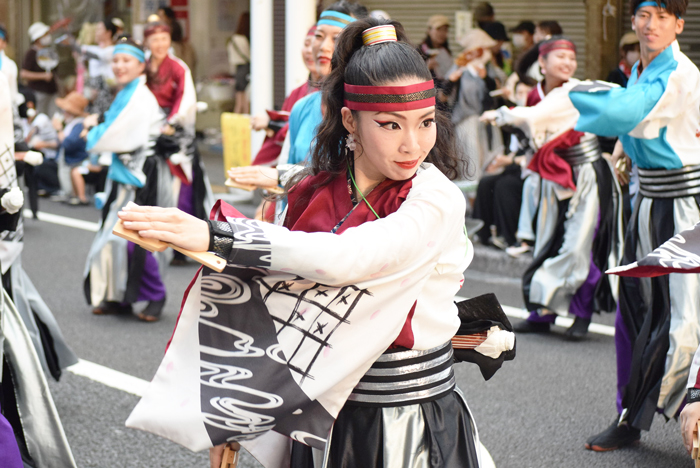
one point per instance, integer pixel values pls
(654, 4)
(130, 50)
(334, 18)
(2, 35)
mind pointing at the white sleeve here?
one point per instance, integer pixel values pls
(407, 243)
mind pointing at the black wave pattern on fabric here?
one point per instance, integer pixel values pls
(252, 245)
(680, 254)
(247, 383)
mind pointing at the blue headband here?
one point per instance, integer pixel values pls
(654, 4)
(2, 35)
(130, 50)
(334, 18)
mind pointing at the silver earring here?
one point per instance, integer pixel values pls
(350, 142)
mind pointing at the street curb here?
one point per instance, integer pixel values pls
(497, 262)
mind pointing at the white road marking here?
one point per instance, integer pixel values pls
(110, 377)
(64, 221)
(560, 321)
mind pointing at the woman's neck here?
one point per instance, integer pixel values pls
(365, 181)
(105, 43)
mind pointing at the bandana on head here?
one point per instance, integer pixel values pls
(311, 31)
(129, 49)
(390, 98)
(154, 28)
(557, 44)
(334, 18)
(652, 4)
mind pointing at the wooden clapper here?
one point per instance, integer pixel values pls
(696, 446)
(207, 259)
(231, 455)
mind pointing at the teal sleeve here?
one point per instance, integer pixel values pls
(617, 111)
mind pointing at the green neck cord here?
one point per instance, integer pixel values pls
(360, 191)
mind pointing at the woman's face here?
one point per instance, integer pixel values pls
(126, 68)
(159, 44)
(559, 65)
(439, 35)
(100, 32)
(307, 54)
(323, 47)
(391, 145)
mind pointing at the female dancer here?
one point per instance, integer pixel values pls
(170, 81)
(119, 273)
(578, 224)
(374, 214)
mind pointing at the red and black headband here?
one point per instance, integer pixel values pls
(387, 98)
(154, 28)
(556, 44)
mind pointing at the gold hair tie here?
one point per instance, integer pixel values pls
(379, 34)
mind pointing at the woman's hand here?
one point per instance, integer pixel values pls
(216, 454)
(260, 176)
(621, 163)
(689, 419)
(489, 116)
(260, 122)
(168, 225)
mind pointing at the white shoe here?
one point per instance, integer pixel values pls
(516, 252)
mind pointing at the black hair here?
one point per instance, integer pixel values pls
(129, 41)
(355, 64)
(674, 7)
(526, 80)
(356, 10)
(630, 47)
(3, 30)
(111, 27)
(243, 28)
(169, 12)
(555, 39)
(551, 27)
(429, 42)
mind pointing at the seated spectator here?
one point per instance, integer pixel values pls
(42, 137)
(499, 194)
(72, 148)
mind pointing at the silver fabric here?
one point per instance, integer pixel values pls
(674, 183)
(46, 441)
(385, 386)
(684, 332)
(403, 370)
(410, 353)
(557, 280)
(586, 151)
(28, 302)
(528, 207)
(404, 397)
(107, 262)
(408, 446)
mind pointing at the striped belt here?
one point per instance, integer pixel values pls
(670, 183)
(405, 377)
(585, 152)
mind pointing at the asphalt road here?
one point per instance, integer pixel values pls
(536, 411)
